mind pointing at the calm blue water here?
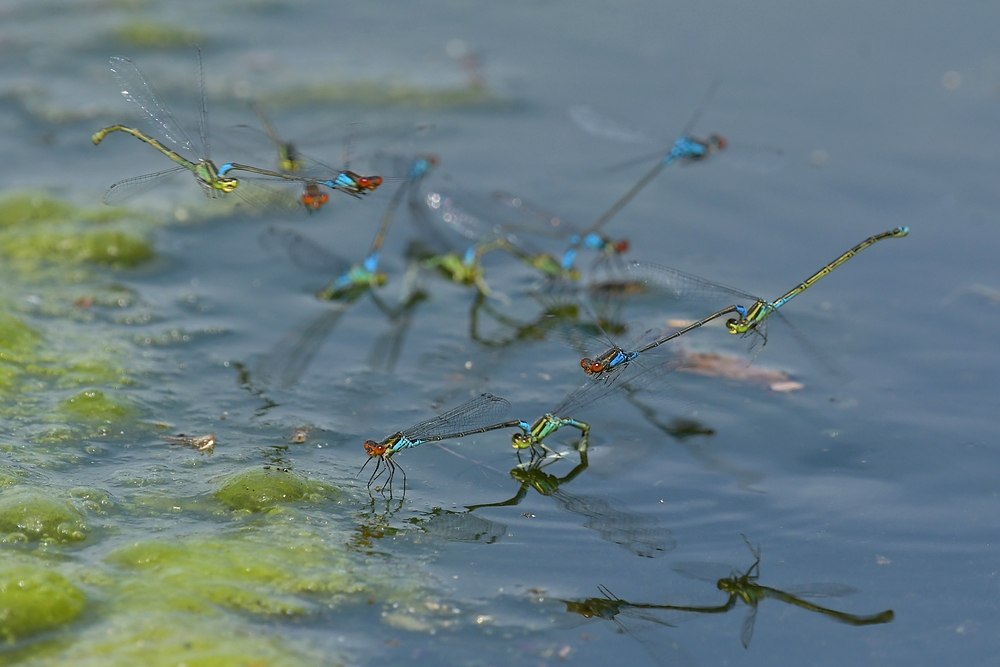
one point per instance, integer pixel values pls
(880, 476)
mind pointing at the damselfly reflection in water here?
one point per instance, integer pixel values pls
(645, 623)
(479, 415)
(215, 181)
(743, 586)
(642, 535)
(751, 320)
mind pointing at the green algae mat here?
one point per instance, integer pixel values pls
(258, 545)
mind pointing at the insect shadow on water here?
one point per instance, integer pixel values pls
(290, 357)
(743, 586)
(388, 347)
(687, 433)
(642, 535)
(459, 526)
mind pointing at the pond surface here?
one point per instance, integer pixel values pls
(871, 464)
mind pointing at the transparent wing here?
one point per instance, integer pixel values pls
(264, 199)
(703, 571)
(595, 124)
(481, 411)
(680, 285)
(653, 634)
(634, 376)
(459, 214)
(304, 253)
(130, 187)
(532, 218)
(291, 356)
(136, 89)
(752, 159)
(696, 116)
(746, 633)
(420, 214)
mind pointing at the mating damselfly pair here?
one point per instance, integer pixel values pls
(257, 187)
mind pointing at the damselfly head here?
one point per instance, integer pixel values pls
(373, 448)
(226, 183)
(621, 246)
(717, 142)
(365, 184)
(592, 366)
(520, 441)
(737, 326)
(313, 198)
(727, 585)
(582, 608)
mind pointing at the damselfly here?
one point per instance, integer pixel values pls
(479, 415)
(750, 321)
(214, 180)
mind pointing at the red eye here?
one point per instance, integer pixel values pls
(621, 246)
(373, 448)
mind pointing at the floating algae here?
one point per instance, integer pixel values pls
(94, 406)
(259, 488)
(30, 514)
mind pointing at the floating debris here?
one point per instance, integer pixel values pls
(203, 443)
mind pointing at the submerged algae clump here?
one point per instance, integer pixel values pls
(36, 226)
(34, 208)
(33, 600)
(106, 247)
(157, 639)
(256, 489)
(248, 573)
(30, 514)
(93, 406)
(17, 339)
(146, 35)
